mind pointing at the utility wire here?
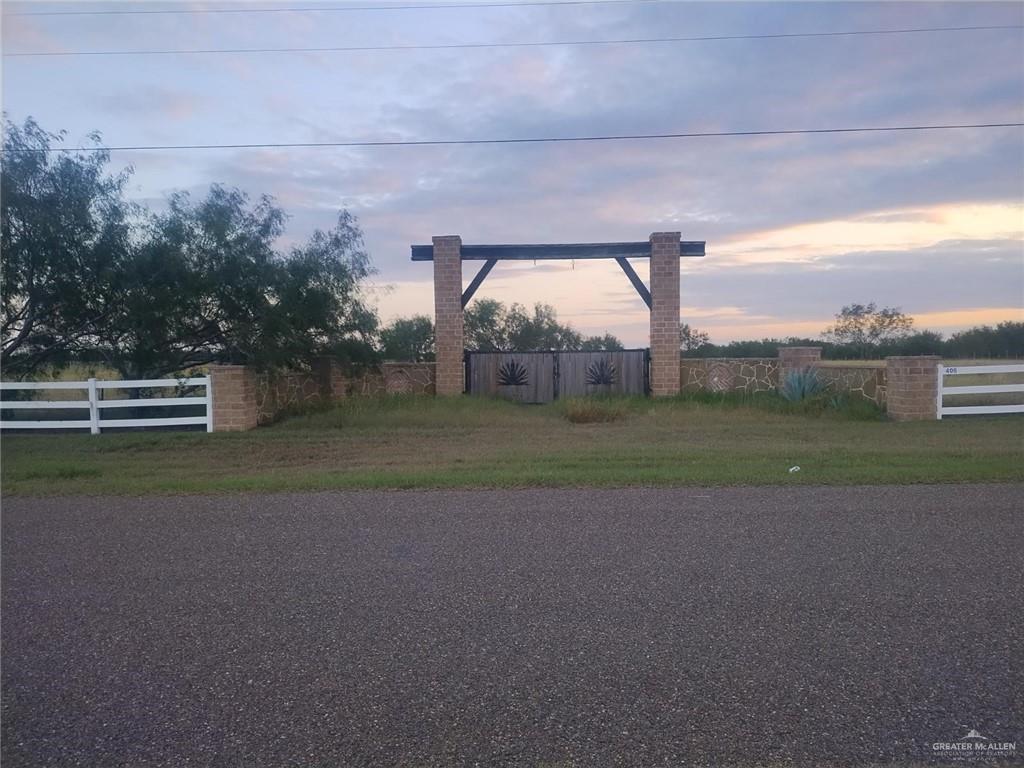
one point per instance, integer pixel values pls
(326, 9)
(448, 46)
(535, 140)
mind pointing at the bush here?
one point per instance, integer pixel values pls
(589, 410)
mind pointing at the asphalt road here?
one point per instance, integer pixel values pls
(744, 626)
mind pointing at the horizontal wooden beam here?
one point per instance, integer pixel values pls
(550, 251)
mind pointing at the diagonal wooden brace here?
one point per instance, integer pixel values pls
(634, 278)
(467, 294)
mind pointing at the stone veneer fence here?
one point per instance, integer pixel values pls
(244, 398)
(765, 374)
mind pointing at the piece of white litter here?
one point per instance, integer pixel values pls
(794, 469)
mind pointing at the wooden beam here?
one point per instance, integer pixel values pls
(467, 294)
(634, 278)
(549, 251)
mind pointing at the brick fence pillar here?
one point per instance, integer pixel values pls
(665, 372)
(911, 387)
(234, 398)
(448, 315)
(796, 359)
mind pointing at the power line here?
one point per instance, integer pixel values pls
(532, 140)
(463, 46)
(326, 9)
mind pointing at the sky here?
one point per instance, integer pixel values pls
(796, 226)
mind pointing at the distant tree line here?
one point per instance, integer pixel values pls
(491, 326)
(865, 332)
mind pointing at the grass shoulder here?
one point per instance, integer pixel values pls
(465, 442)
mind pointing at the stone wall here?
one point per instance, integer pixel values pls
(906, 386)
(244, 398)
(261, 397)
(279, 392)
(409, 378)
(863, 381)
(729, 374)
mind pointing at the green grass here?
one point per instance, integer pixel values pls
(408, 442)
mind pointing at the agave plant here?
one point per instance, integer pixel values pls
(601, 373)
(512, 374)
(801, 385)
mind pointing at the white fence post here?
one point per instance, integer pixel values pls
(94, 409)
(938, 391)
(209, 401)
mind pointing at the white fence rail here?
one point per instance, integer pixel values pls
(976, 389)
(93, 404)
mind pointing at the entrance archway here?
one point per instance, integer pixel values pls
(664, 249)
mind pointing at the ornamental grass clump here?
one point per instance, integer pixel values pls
(802, 385)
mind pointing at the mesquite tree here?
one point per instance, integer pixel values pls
(89, 276)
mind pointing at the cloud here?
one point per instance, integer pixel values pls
(879, 231)
(156, 103)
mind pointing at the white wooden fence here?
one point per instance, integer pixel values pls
(93, 404)
(979, 389)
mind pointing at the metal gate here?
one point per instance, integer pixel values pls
(540, 377)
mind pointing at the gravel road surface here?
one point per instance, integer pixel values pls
(556, 628)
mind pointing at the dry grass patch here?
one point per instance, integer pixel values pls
(590, 410)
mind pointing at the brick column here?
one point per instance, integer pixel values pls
(448, 314)
(911, 387)
(796, 359)
(665, 371)
(234, 398)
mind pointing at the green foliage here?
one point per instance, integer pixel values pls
(865, 326)
(801, 385)
(87, 276)
(490, 326)
(65, 238)
(206, 285)
(1005, 340)
(690, 339)
(918, 343)
(606, 343)
(751, 348)
(408, 339)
